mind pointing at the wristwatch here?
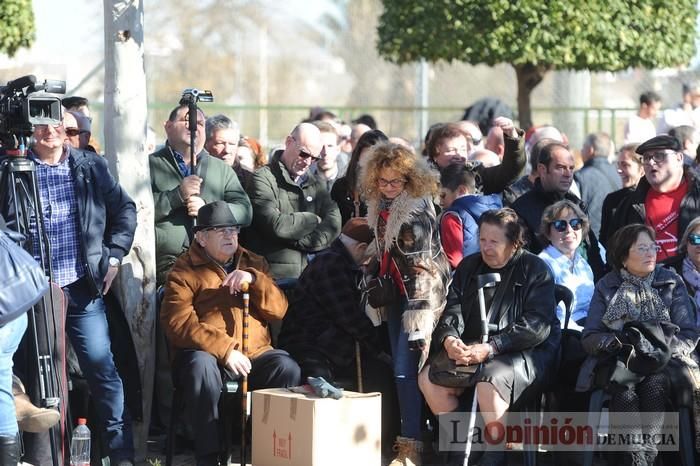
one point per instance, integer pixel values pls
(114, 262)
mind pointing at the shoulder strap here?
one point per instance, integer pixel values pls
(500, 292)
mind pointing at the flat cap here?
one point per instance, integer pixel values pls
(358, 229)
(660, 142)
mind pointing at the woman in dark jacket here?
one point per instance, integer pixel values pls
(521, 354)
(447, 144)
(346, 191)
(638, 294)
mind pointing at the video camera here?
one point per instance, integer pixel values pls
(192, 96)
(21, 108)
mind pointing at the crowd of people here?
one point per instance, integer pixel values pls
(362, 257)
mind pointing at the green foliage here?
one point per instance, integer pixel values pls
(598, 35)
(16, 25)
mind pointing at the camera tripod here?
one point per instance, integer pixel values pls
(21, 204)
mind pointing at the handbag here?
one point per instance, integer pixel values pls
(445, 372)
(22, 280)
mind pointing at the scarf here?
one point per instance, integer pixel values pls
(691, 275)
(636, 300)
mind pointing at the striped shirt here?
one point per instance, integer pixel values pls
(59, 205)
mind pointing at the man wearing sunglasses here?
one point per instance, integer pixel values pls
(667, 198)
(70, 124)
(293, 214)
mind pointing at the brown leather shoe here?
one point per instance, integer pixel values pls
(29, 417)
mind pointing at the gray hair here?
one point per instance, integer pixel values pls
(600, 143)
(217, 122)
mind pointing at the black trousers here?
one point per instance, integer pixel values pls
(199, 377)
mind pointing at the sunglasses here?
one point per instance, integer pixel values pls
(560, 225)
(72, 132)
(305, 155)
(694, 239)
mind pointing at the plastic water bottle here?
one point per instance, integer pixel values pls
(80, 445)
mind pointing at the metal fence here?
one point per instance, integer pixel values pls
(272, 123)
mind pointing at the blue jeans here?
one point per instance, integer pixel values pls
(10, 336)
(86, 326)
(406, 375)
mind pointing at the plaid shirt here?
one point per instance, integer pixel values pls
(60, 211)
(325, 313)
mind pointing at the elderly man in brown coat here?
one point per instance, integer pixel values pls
(202, 314)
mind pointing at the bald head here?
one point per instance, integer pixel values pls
(486, 157)
(495, 142)
(85, 126)
(301, 148)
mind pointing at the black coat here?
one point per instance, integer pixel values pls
(610, 205)
(526, 315)
(633, 210)
(596, 180)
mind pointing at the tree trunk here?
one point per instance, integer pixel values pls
(125, 138)
(529, 76)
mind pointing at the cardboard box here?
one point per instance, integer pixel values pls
(291, 429)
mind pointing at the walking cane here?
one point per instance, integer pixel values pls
(244, 384)
(358, 364)
(486, 280)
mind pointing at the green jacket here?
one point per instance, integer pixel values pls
(173, 225)
(286, 225)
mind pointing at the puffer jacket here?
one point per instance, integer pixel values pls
(289, 220)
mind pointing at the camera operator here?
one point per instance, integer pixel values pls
(89, 221)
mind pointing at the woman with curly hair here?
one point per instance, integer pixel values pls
(398, 189)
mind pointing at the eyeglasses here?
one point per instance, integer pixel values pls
(658, 156)
(694, 239)
(395, 183)
(560, 225)
(72, 132)
(646, 249)
(225, 231)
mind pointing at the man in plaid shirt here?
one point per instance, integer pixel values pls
(325, 319)
(89, 221)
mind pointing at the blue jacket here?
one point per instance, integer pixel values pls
(106, 213)
(469, 210)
